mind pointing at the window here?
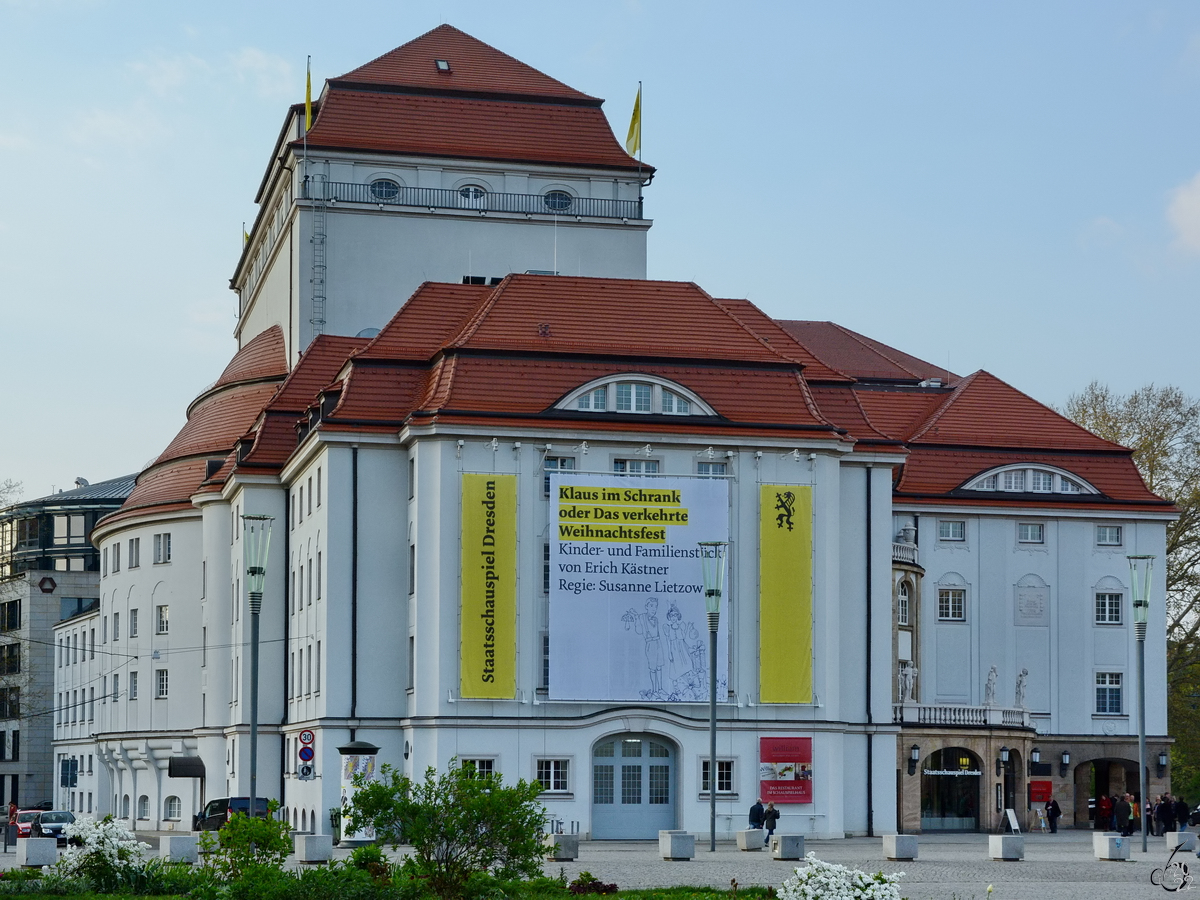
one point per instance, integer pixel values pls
(952, 605)
(384, 189)
(16, 746)
(471, 196)
(1108, 535)
(1031, 533)
(172, 808)
(318, 574)
(596, 400)
(481, 767)
(1043, 482)
(135, 552)
(633, 397)
(952, 530)
(162, 619)
(1067, 486)
(116, 557)
(104, 563)
(10, 615)
(902, 610)
(301, 507)
(28, 535)
(1108, 609)
(162, 548)
(133, 623)
(318, 487)
(412, 662)
(116, 626)
(724, 776)
(557, 200)
(412, 569)
(104, 629)
(635, 466)
(310, 495)
(1108, 693)
(10, 659)
(552, 775)
(160, 683)
(143, 809)
(545, 661)
(317, 680)
(555, 464)
(674, 405)
(1014, 480)
(10, 707)
(91, 717)
(712, 469)
(546, 568)
(116, 693)
(68, 530)
(133, 685)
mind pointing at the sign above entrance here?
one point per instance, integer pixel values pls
(785, 769)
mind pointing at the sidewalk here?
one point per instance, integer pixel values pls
(949, 867)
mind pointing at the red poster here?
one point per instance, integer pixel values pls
(1040, 791)
(785, 769)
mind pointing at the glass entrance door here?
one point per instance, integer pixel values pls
(633, 787)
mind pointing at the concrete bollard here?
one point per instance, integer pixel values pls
(313, 848)
(1009, 847)
(561, 847)
(33, 853)
(179, 848)
(787, 846)
(900, 846)
(677, 845)
(1186, 838)
(751, 839)
(1110, 845)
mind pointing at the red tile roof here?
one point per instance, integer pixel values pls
(771, 331)
(898, 413)
(426, 321)
(840, 404)
(468, 128)
(475, 67)
(264, 356)
(860, 356)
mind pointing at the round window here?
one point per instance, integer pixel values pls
(471, 196)
(558, 200)
(383, 189)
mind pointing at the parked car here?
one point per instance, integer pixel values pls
(50, 823)
(24, 818)
(217, 812)
(1194, 818)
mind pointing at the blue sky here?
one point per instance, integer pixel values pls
(1014, 187)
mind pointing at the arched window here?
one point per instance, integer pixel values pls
(637, 394)
(384, 190)
(125, 806)
(143, 807)
(172, 808)
(1030, 478)
(472, 196)
(902, 604)
(559, 201)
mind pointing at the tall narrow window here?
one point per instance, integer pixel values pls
(310, 495)
(317, 678)
(318, 487)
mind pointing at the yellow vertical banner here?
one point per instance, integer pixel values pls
(489, 587)
(785, 634)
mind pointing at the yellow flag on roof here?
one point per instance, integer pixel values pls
(633, 142)
(308, 97)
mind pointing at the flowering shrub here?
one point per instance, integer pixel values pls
(827, 881)
(100, 851)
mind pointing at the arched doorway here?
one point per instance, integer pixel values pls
(1096, 778)
(633, 787)
(950, 784)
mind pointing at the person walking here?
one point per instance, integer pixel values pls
(1103, 813)
(770, 820)
(1121, 815)
(756, 814)
(1053, 811)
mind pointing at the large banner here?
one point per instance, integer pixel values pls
(785, 769)
(627, 614)
(489, 587)
(785, 639)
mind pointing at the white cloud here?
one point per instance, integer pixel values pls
(1183, 212)
(271, 75)
(164, 74)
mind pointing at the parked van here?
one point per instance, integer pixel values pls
(217, 812)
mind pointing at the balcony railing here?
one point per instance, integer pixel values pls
(551, 203)
(944, 714)
(904, 553)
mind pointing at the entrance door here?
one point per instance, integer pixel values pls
(633, 787)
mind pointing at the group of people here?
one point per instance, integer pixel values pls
(1119, 813)
(765, 819)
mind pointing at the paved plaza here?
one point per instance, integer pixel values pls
(949, 867)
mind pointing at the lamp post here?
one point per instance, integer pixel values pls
(1140, 568)
(256, 532)
(712, 565)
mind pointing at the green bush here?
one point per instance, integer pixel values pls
(246, 843)
(459, 824)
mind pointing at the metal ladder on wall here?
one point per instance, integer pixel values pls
(320, 208)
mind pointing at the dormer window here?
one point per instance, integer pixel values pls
(443, 65)
(639, 395)
(1032, 479)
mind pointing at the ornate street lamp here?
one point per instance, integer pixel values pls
(1064, 765)
(1002, 761)
(256, 532)
(712, 565)
(1140, 568)
(1035, 757)
(1162, 763)
(914, 757)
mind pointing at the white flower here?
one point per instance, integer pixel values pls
(827, 881)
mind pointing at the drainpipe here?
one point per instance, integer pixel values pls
(287, 562)
(353, 587)
(870, 718)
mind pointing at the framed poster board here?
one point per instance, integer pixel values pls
(785, 769)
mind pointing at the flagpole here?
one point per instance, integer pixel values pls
(307, 115)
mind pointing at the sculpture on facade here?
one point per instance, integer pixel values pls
(903, 682)
(1019, 700)
(989, 689)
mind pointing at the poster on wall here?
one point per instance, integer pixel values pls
(785, 594)
(488, 664)
(785, 769)
(627, 613)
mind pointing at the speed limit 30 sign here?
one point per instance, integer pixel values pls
(307, 737)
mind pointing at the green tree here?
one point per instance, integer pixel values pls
(458, 823)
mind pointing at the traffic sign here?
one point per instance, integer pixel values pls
(306, 754)
(307, 737)
(305, 772)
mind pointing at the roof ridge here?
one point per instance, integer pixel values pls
(861, 340)
(866, 418)
(817, 356)
(945, 404)
(744, 326)
(475, 321)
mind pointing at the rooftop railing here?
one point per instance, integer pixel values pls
(551, 203)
